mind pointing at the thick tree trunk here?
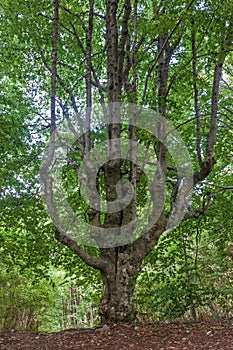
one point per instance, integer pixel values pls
(119, 280)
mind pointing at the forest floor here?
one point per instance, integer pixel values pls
(160, 336)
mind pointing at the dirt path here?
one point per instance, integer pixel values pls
(171, 336)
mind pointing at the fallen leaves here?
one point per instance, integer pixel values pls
(168, 336)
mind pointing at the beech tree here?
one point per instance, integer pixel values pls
(165, 56)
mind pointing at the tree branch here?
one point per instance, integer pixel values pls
(209, 161)
(96, 263)
(215, 93)
(195, 214)
(223, 188)
(196, 97)
(123, 37)
(160, 52)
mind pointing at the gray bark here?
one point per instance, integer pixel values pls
(119, 278)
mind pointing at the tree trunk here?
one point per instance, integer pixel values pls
(119, 280)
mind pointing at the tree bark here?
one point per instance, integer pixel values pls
(119, 279)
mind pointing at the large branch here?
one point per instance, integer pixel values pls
(53, 70)
(54, 67)
(96, 81)
(113, 87)
(123, 37)
(96, 263)
(88, 75)
(162, 48)
(196, 96)
(209, 161)
(149, 238)
(72, 98)
(60, 235)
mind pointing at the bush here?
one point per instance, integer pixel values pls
(24, 301)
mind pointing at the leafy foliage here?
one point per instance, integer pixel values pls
(190, 270)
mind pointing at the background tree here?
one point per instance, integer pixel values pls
(168, 56)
